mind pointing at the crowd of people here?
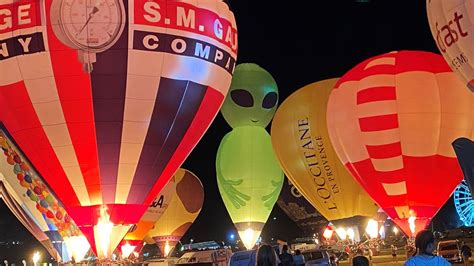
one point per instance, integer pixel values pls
(420, 255)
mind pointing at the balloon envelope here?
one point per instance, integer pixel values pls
(186, 203)
(301, 142)
(35, 197)
(108, 100)
(11, 201)
(452, 27)
(391, 120)
(249, 179)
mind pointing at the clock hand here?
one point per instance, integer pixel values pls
(91, 15)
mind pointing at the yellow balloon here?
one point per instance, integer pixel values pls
(301, 142)
(184, 207)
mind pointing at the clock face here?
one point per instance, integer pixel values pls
(92, 24)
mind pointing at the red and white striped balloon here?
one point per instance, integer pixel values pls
(108, 97)
(391, 120)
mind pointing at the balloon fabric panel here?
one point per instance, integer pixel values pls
(298, 209)
(302, 145)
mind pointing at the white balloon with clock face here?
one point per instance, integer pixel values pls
(92, 25)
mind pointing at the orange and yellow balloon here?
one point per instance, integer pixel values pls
(183, 209)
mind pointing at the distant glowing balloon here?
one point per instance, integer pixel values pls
(248, 175)
(135, 237)
(451, 25)
(38, 201)
(185, 205)
(108, 98)
(301, 142)
(391, 120)
(13, 203)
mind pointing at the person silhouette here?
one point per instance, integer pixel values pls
(424, 243)
(266, 256)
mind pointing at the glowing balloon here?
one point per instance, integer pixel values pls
(451, 24)
(25, 219)
(299, 209)
(301, 142)
(391, 120)
(186, 203)
(46, 212)
(134, 239)
(248, 174)
(108, 98)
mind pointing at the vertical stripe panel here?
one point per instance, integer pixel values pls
(72, 87)
(109, 80)
(175, 107)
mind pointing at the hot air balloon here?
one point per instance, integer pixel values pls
(36, 199)
(391, 120)
(186, 203)
(107, 98)
(464, 149)
(451, 26)
(301, 143)
(13, 203)
(133, 241)
(306, 217)
(248, 175)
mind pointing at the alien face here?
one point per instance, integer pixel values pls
(252, 98)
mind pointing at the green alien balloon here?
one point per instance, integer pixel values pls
(248, 174)
(252, 98)
(249, 179)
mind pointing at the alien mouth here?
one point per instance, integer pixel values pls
(255, 121)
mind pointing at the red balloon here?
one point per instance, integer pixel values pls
(391, 120)
(108, 114)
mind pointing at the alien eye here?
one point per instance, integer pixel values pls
(242, 97)
(270, 100)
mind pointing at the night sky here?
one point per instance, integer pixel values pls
(298, 43)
